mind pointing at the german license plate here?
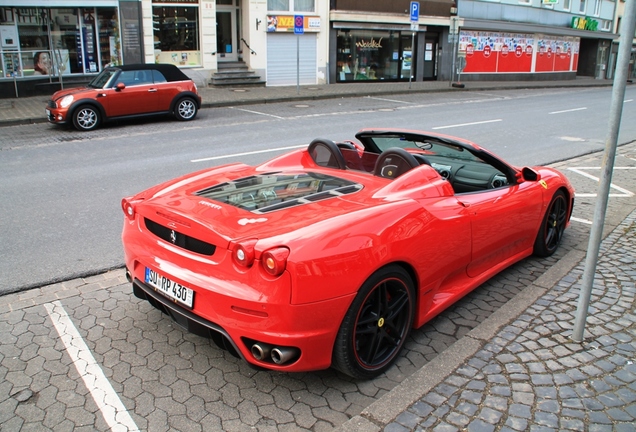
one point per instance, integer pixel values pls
(48, 113)
(169, 288)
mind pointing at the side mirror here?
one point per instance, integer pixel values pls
(528, 174)
(120, 86)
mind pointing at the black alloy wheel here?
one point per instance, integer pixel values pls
(376, 325)
(553, 225)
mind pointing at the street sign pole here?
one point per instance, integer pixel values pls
(415, 19)
(299, 28)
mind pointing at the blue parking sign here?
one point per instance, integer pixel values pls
(299, 24)
(415, 11)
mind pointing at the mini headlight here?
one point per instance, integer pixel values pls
(66, 101)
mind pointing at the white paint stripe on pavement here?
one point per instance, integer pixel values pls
(579, 170)
(468, 124)
(390, 100)
(105, 397)
(257, 112)
(567, 111)
(585, 221)
(248, 153)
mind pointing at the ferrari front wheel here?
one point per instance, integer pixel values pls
(376, 325)
(552, 227)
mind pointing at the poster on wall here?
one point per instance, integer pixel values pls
(498, 52)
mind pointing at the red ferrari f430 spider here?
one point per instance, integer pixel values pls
(329, 255)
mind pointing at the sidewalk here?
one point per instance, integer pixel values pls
(31, 109)
(529, 375)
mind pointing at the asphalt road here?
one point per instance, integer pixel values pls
(60, 189)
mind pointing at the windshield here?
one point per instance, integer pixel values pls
(101, 80)
(428, 147)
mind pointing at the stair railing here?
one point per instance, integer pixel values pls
(248, 47)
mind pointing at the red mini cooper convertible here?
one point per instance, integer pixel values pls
(330, 255)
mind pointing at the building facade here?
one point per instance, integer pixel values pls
(288, 42)
(534, 39)
(378, 41)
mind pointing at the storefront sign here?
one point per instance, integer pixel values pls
(369, 45)
(586, 23)
(286, 23)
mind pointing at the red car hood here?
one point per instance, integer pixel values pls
(61, 93)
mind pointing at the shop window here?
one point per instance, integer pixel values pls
(176, 35)
(109, 41)
(364, 55)
(291, 5)
(66, 42)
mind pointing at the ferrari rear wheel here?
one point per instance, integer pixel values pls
(86, 118)
(552, 226)
(186, 109)
(376, 325)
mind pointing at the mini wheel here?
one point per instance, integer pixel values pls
(376, 325)
(552, 227)
(86, 118)
(186, 109)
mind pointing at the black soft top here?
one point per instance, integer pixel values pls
(171, 72)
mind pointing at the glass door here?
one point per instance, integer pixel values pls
(407, 57)
(226, 35)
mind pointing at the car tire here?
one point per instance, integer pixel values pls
(185, 109)
(552, 226)
(376, 325)
(86, 118)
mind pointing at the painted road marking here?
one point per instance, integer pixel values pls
(467, 124)
(248, 153)
(581, 171)
(567, 111)
(105, 397)
(258, 112)
(585, 221)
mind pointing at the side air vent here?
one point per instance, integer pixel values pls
(179, 239)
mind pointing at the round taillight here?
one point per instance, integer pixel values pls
(244, 253)
(128, 209)
(274, 260)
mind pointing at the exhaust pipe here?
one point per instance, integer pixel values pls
(283, 355)
(128, 276)
(261, 351)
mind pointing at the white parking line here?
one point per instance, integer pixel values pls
(247, 153)
(567, 111)
(257, 112)
(585, 221)
(105, 397)
(468, 124)
(579, 170)
(390, 100)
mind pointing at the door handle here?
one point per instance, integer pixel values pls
(152, 90)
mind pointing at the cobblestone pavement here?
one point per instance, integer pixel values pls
(87, 355)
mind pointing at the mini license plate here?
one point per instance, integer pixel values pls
(169, 288)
